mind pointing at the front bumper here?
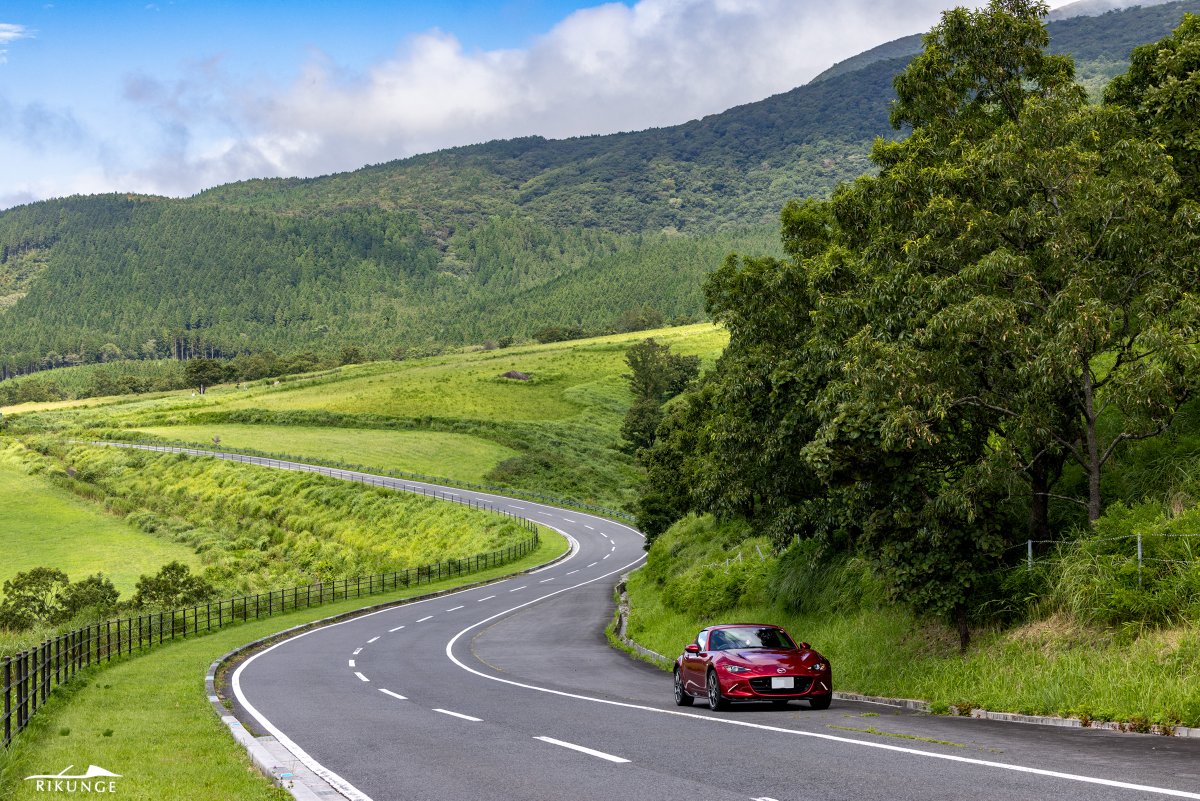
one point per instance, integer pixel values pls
(759, 687)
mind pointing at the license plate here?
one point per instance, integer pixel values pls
(783, 683)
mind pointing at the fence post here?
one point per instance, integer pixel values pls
(7, 701)
(1029, 555)
(1139, 543)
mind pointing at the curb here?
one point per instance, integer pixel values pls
(274, 761)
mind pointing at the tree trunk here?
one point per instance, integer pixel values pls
(1039, 506)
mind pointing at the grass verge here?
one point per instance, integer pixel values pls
(147, 718)
(1054, 666)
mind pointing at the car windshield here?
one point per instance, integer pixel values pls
(748, 637)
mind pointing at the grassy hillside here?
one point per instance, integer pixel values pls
(1056, 664)
(558, 432)
(463, 245)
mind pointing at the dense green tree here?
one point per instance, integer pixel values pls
(1162, 87)
(203, 373)
(33, 597)
(95, 595)
(172, 587)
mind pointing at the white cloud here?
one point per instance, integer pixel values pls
(11, 32)
(602, 69)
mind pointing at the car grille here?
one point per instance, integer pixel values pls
(762, 685)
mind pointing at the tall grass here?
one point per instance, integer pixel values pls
(1057, 664)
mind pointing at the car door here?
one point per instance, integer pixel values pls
(694, 665)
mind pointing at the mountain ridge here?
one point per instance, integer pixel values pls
(463, 244)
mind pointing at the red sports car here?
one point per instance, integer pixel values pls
(751, 662)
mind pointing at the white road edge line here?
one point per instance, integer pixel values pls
(793, 732)
(583, 750)
(361, 676)
(397, 696)
(459, 715)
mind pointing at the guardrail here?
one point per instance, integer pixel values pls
(27, 678)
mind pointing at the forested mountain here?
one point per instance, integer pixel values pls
(462, 245)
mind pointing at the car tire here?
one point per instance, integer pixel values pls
(682, 698)
(820, 701)
(712, 688)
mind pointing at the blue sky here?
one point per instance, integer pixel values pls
(174, 96)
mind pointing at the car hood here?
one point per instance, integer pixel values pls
(759, 657)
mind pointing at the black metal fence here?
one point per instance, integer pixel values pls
(28, 677)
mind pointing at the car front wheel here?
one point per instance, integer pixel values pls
(820, 701)
(682, 698)
(715, 701)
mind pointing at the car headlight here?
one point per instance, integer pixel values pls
(819, 666)
(736, 669)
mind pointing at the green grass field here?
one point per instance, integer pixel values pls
(147, 719)
(47, 526)
(460, 457)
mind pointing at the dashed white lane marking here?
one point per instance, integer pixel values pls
(459, 715)
(352, 663)
(427, 617)
(589, 528)
(762, 798)
(514, 506)
(608, 554)
(357, 651)
(543, 581)
(481, 600)
(395, 629)
(613, 548)
(573, 572)
(593, 564)
(361, 676)
(523, 586)
(545, 514)
(394, 695)
(568, 520)
(454, 609)
(582, 749)
(373, 639)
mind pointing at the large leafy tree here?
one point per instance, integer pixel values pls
(1011, 293)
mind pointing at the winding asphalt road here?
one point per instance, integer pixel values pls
(510, 691)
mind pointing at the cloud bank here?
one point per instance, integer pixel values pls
(607, 68)
(603, 69)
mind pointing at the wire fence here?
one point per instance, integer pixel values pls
(27, 679)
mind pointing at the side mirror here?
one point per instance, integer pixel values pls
(691, 648)
(804, 646)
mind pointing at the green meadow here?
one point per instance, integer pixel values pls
(459, 457)
(47, 525)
